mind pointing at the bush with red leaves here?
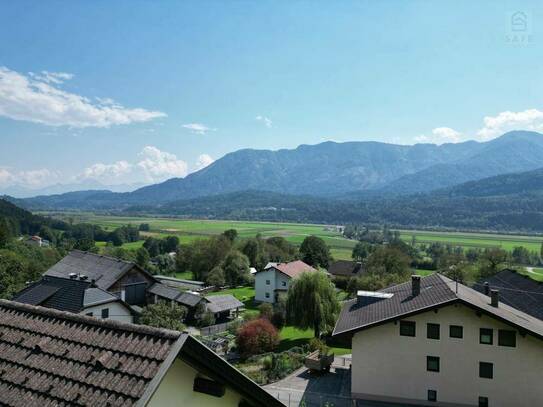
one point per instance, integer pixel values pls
(257, 336)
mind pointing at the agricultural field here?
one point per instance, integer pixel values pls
(474, 240)
(190, 229)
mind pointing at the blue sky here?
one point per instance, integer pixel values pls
(130, 92)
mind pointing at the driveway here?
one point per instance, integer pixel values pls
(302, 388)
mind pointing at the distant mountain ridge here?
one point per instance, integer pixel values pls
(335, 170)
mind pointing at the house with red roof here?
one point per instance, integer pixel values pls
(276, 278)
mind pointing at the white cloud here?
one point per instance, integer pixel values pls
(197, 128)
(203, 161)
(37, 98)
(267, 121)
(6, 177)
(157, 164)
(52, 77)
(440, 135)
(531, 119)
(100, 171)
(29, 178)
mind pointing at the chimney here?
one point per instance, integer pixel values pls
(415, 285)
(487, 288)
(494, 298)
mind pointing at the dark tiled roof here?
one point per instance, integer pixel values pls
(63, 294)
(436, 290)
(183, 298)
(52, 292)
(105, 271)
(221, 303)
(516, 290)
(54, 358)
(345, 268)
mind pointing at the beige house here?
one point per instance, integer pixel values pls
(275, 279)
(437, 343)
(55, 358)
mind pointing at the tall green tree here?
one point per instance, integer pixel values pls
(388, 261)
(315, 252)
(312, 303)
(142, 257)
(360, 251)
(164, 315)
(236, 268)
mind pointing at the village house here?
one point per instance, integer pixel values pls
(517, 290)
(77, 296)
(275, 279)
(432, 341)
(55, 358)
(223, 307)
(125, 279)
(345, 269)
(37, 241)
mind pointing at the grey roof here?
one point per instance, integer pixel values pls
(54, 358)
(436, 290)
(95, 296)
(63, 294)
(516, 290)
(173, 294)
(345, 268)
(221, 303)
(105, 271)
(53, 292)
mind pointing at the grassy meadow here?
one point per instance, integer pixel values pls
(190, 229)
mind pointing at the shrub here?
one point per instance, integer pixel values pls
(278, 320)
(256, 337)
(164, 315)
(207, 319)
(266, 311)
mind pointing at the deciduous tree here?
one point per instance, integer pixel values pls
(312, 302)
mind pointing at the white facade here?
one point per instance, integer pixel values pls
(268, 283)
(115, 311)
(389, 367)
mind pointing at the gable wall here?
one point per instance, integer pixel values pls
(387, 366)
(176, 390)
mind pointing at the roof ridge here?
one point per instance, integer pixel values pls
(115, 259)
(83, 319)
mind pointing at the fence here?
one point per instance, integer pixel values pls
(215, 329)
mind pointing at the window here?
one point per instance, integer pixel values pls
(284, 283)
(267, 282)
(483, 401)
(456, 331)
(432, 395)
(432, 363)
(105, 313)
(407, 328)
(486, 370)
(432, 331)
(485, 336)
(267, 295)
(507, 338)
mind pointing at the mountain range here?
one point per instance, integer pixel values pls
(332, 170)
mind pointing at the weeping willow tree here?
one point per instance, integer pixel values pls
(312, 303)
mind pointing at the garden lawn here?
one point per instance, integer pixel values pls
(291, 336)
(186, 275)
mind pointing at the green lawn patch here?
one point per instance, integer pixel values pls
(186, 275)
